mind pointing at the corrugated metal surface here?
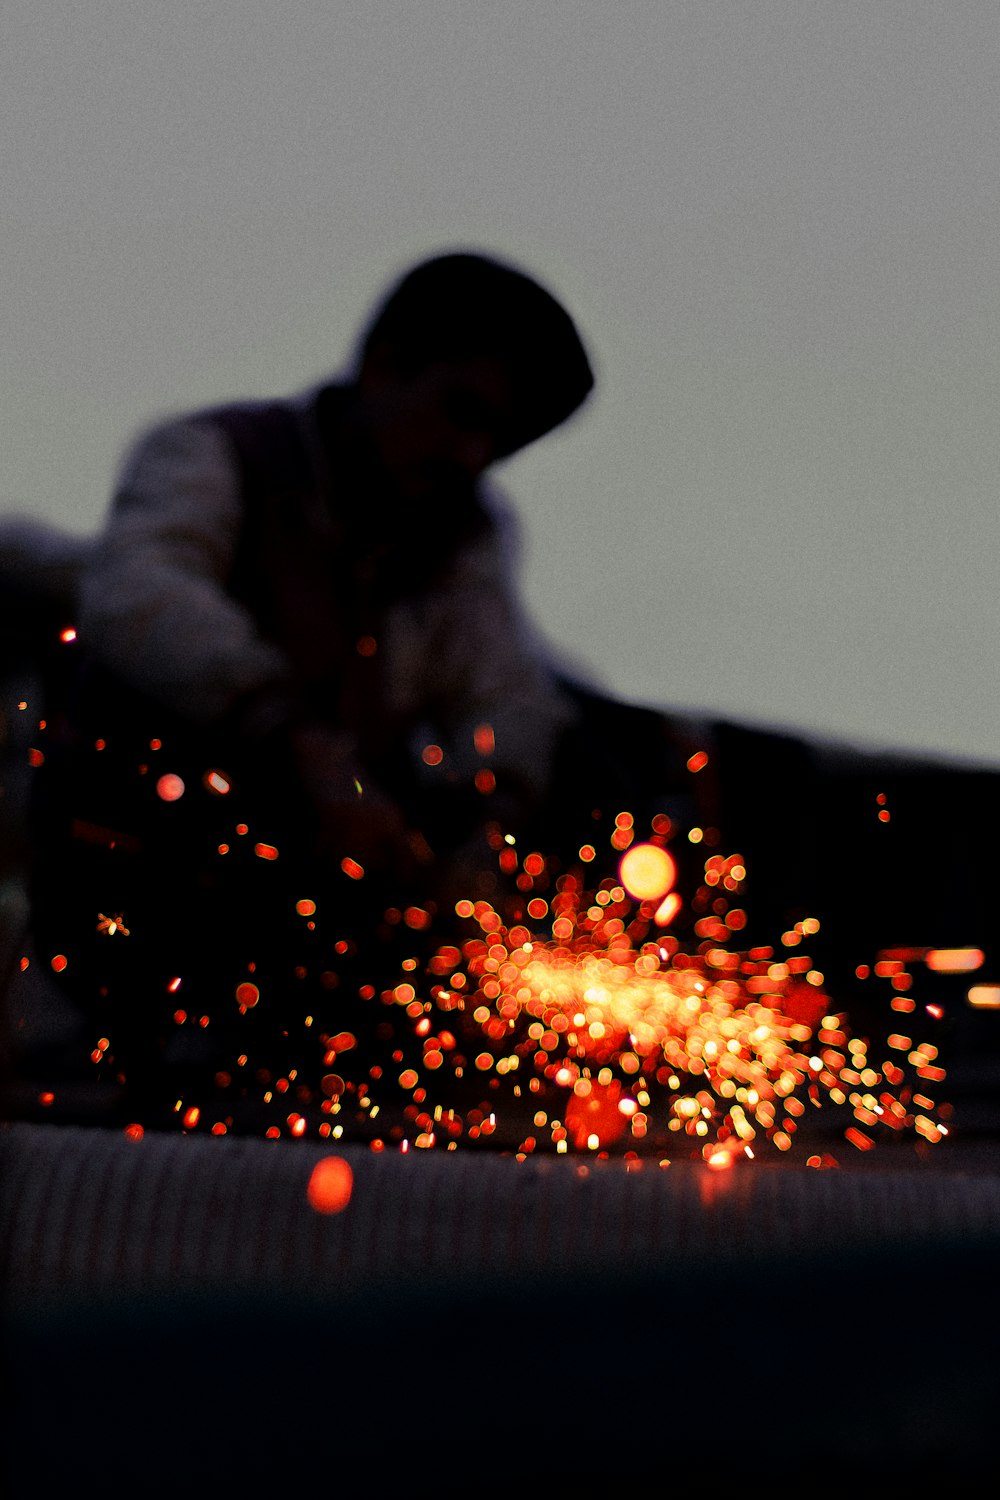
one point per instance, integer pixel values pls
(85, 1209)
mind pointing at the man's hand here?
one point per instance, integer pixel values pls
(372, 831)
(356, 819)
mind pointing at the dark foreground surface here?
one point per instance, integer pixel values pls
(735, 1371)
(181, 1320)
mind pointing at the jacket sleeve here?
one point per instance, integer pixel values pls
(154, 603)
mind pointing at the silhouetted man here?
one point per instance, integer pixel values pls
(302, 661)
(303, 673)
(326, 579)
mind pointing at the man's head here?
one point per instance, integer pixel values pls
(466, 361)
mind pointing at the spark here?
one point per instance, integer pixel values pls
(330, 1185)
(954, 960)
(647, 872)
(112, 925)
(170, 788)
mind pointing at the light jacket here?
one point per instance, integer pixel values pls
(162, 609)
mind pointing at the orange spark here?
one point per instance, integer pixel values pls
(331, 1183)
(647, 872)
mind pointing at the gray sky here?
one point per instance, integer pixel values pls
(774, 220)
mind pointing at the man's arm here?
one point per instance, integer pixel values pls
(156, 612)
(154, 603)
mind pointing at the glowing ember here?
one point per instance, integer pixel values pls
(647, 872)
(170, 788)
(330, 1185)
(954, 960)
(112, 925)
(668, 909)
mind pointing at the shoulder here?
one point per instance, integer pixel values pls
(181, 473)
(215, 443)
(189, 440)
(225, 417)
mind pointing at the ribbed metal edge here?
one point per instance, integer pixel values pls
(90, 1209)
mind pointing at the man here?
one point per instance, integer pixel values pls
(325, 579)
(303, 678)
(305, 681)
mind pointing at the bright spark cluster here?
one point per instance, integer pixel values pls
(642, 1045)
(582, 1025)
